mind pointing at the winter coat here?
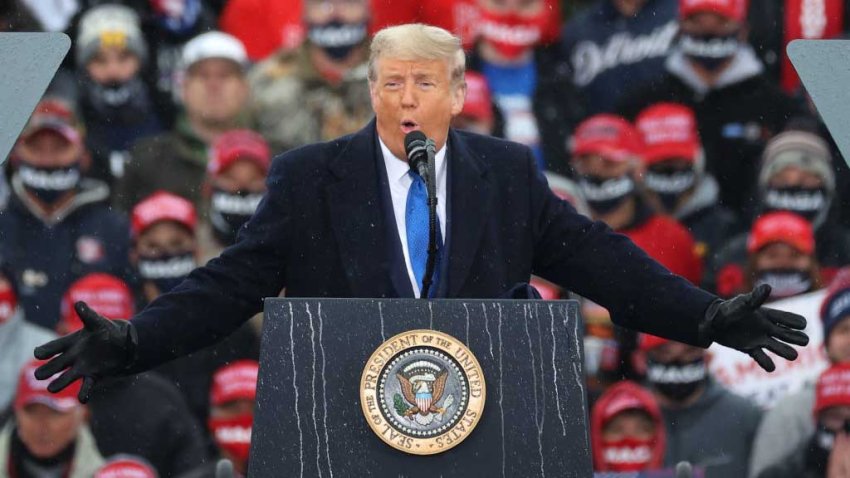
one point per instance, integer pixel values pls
(47, 254)
(145, 415)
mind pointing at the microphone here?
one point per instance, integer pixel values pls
(421, 154)
(416, 147)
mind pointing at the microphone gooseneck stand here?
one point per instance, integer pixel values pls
(431, 185)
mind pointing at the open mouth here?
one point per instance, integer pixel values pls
(409, 125)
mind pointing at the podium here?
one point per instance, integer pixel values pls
(309, 418)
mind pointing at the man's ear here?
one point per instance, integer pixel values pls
(458, 98)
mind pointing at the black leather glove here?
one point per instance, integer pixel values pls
(102, 348)
(742, 324)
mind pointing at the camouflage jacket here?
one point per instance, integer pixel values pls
(293, 105)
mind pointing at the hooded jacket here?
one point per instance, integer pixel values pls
(637, 398)
(46, 253)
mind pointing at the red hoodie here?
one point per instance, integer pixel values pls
(618, 398)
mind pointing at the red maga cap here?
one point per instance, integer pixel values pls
(732, 9)
(668, 130)
(781, 226)
(606, 135)
(105, 294)
(162, 206)
(239, 144)
(126, 467)
(478, 103)
(31, 390)
(833, 388)
(237, 381)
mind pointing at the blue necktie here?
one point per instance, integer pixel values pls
(416, 222)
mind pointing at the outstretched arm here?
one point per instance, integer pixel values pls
(209, 305)
(588, 258)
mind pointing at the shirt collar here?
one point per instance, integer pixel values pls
(397, 168)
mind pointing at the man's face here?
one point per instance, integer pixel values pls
(782, 256)
(319, 12)
(709, 24)
(675, 352)
(838, 342)
(164, 239)
(233, 409)
(833, 418)
(242, 175)
(46, 432)
(414, 95)
(113, 64)
(599, 166)
(634, 424)
(48, 149)
(793, 176)
(215, 91)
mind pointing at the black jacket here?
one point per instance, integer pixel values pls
(321, 231)
(145, 415)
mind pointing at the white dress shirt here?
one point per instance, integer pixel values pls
(400, 181)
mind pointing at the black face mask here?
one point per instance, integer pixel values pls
(121, 102)
(336, 38)
(670, 186)
(806, 202)
(229, 211)
(676, 380)
(821, 447)
(49, 184)
(605, 195)
(166, 271)
(784, 282)
(709, 51)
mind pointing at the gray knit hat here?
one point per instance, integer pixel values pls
(107, 25)
(802, 149)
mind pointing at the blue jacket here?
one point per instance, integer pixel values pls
(322, 231)
(610, 54)
(47, 255)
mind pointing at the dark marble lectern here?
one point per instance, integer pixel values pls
(309, 422)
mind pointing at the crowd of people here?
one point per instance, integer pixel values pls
(679, 123)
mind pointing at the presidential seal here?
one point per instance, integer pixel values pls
(422, 392)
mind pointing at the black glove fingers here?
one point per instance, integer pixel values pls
(44, 352)
(54, 366)
(757, 297)
(86, 389)
(791, 336)
(783, 350)
(91, 319)
(786, 319)
(762, 359)
(63, 381)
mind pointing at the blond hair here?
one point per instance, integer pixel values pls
(417, 41)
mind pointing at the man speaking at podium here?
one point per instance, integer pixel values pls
(349, 218)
